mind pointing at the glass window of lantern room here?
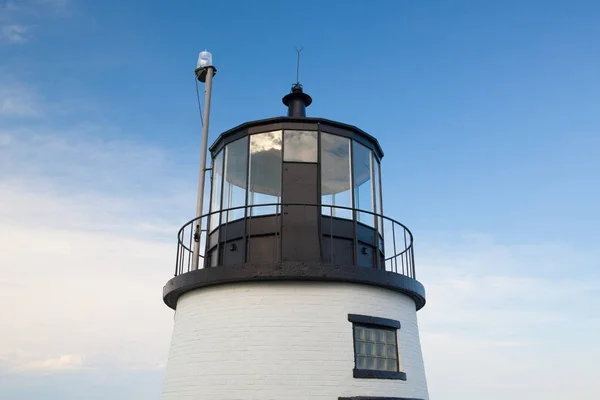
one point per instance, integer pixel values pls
(300, 146)
(362, 163)
(234, 187)
(217, 180)
(265, 172)
(336, 175)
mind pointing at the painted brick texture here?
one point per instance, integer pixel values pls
(284, 340)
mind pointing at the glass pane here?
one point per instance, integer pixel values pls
(361, 363)
(360, 348)
(359, 332)
(380, 350)
(363, 184)
(300, 146)
(336, 185)
(265, 172)
(371, 363)
(381, 364)
(217, 180)
(392, 365)
(370, 349)
(379, 335)
(390, 337)
(378, 200)
(390, 351)
(371, 335)
(234, 189)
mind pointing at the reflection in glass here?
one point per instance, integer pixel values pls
(300, 146)
(336, 185)
(234, 190)
(265, 172)
(363, 184)
(217, 180)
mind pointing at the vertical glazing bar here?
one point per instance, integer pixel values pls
(355, 215)
(380, 197)
(246, 200)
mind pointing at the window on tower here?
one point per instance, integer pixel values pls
(376, 347)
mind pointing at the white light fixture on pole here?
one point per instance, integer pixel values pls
(204, 73)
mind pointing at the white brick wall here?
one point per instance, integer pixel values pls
(284, 340)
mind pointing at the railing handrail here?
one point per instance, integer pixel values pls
(407, 246)
(294, 204)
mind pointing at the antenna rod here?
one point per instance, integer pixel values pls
(298, 66)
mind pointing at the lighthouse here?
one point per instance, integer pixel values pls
(300, 287)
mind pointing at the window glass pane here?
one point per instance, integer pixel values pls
(390, 351)
(363, 184)
(265, 172)
(371, 363)
(370, 349)
(371, 335)
(392, 365)
(380, 350)
(390, 337)
(360, 348)
(361, 363)
(381, 364)
(300, 146)
(217, 180)
(359, 332)
(234, 190)
(336, 185)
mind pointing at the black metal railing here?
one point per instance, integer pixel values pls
(275, 232)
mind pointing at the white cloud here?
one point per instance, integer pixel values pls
(15, 33)
(65, 362)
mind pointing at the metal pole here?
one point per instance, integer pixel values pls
(200, 202)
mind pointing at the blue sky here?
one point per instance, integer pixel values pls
(487, 112)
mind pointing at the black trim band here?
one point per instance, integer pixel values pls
(374, 374)
(377, 398)
(292, 271)
(368, 320)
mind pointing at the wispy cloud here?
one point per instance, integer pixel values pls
(18, 18)
(15, 33)
(497, 312)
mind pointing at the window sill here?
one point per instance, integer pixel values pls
(375, 374)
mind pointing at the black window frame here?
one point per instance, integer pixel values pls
(380, 323)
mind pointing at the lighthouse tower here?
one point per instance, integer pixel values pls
(304, 289)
